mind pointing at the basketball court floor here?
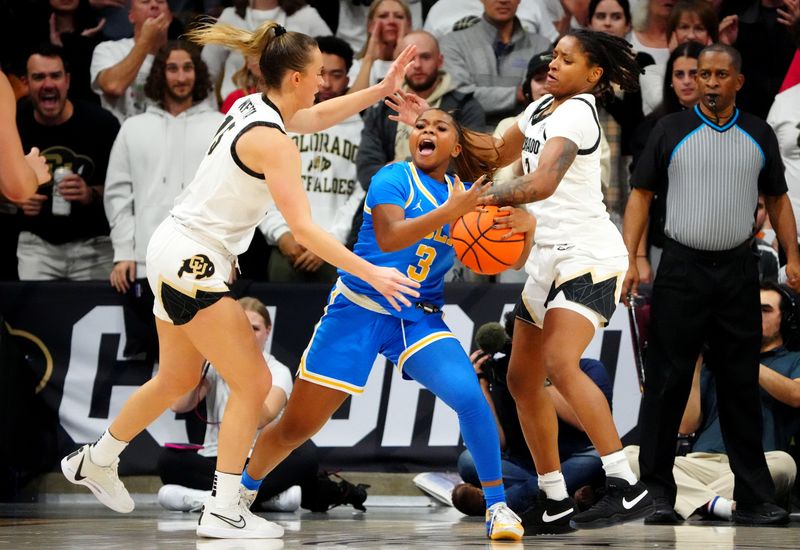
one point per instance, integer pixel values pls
(91, 526)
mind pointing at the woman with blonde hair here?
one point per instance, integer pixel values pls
(388, 21)
(251, 164)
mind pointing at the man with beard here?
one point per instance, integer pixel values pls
(329, 174)
(383, 140)
(156, 155)
(64, 229)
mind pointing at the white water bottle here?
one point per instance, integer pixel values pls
(61, 206)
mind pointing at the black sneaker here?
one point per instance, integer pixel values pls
(549, 517)
(760, 514)
(663, 513)
(622, 502)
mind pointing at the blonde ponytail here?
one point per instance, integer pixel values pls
(247, 42)
(277, 50)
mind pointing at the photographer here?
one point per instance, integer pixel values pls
(704, 478)
(581, 464)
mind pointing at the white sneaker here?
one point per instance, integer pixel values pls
(182, 499)
(235, 522)
(287, 501)
(502, 523)
(103, 481)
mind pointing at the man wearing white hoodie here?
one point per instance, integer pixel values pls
(156, 154)
(329, 174)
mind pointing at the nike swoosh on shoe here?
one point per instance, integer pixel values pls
(628, 504)
(547, 518)
(239, 524)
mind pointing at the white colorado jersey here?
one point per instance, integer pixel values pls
(226, 200)
(574, 214)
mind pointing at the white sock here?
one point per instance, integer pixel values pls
(553, 485)
(720, 507)
(225, 491)
(616, 465)
(105, 450)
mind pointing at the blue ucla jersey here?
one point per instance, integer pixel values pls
(427, 260)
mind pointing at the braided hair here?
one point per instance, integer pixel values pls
(615, 56)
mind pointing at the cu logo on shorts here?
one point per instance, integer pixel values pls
(198, 265)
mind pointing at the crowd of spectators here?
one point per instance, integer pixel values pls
(124, 111)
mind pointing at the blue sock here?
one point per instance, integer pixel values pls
(453, 381)
(249, 483)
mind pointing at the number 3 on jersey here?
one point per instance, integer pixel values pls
(420, 271)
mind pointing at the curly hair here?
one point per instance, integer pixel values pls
(155, 87)
(615, 56)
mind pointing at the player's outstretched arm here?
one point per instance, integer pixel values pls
(20, 174)
(333, 111)
(270, 152)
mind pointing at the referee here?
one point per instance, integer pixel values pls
(712, 162)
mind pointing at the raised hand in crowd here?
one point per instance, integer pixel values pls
(154, 31)
(790, 13)
(32, 206)
(729, 30)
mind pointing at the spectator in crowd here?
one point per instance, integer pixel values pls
(118, 25)
(490, 57)
(705, 482)
(388, 21)
(689, 21)
(767, 47)
(295, 15)
(715, 161)
(621, 113)
(763, 241)
(329, 173)
(651, 37)
(536, 16)
(784, 117)
(679, 92)
(156, 154)
(65, 232)
(77, 28)
(580, 464)
(120, 67)
(247, 81)
(21, 174)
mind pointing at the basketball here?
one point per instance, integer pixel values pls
(480, 247)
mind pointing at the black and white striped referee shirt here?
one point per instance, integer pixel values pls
(711, 176)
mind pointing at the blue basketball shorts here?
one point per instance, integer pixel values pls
(348, 337)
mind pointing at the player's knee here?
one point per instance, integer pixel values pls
(522, 386)
(292, 435)
(252, 389)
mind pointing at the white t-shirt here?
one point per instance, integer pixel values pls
(328, 162)
(661, 55)
(574, 214)
(227, 200)
(651, 83)
(133, 101)
(217, 399)
(784, 117)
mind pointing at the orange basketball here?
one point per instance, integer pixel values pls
(482, 248)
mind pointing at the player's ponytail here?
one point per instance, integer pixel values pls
(278, 51)
(615, 56)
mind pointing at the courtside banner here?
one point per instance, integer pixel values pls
(78, 338)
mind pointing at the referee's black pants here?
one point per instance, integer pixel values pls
(705, 297)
